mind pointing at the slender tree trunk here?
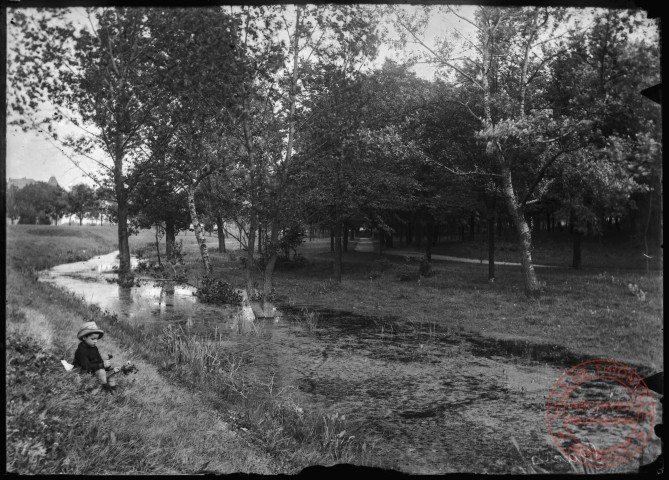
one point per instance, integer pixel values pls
(221, 234)
(272, 250)
(274, 233)
(576, 254)
(337, 250)
(380, 234)
(491, 244)
(259, 239)
(532, 287)
(126, 278)
(647, 256)
(250, 244)
(170, 238)
(199, 234)
(332, 240)
(429, 232)
(345, 237)
(125, 275)
(158, 244)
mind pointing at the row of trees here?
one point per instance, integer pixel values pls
(41, 202)
(274, 117)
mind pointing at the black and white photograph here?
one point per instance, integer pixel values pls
(377, 239)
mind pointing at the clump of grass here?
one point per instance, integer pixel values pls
(529, 466)
(188, 349)
(335, 440)
(308, 319)
(287, 429)
(632, 286)
(384, 326)
(325, 287)
(582, 468)
(242, 326)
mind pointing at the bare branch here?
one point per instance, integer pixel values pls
(459, 172)
(458, 102)
(441, 60)
(542, 172)
(450, 9)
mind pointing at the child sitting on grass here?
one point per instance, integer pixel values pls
(88, 359)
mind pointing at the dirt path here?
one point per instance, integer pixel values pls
(367, 245)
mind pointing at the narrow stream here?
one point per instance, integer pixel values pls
(438, 401)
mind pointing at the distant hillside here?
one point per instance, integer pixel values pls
(22, 182)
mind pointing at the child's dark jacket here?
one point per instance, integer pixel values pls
(88, 358)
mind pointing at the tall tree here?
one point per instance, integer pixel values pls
(91, 75)
(351, 43)
(157, 203)
(196, 66)
(82, 200)
(41, 202)
(503, 90)
(356, 162)
(600, 77)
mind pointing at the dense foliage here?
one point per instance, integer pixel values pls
(273, 117)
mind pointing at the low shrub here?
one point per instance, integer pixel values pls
(216, 291)
(425, 267)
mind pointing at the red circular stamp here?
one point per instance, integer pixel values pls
(600, 413)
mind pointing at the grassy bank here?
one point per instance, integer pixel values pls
(57, 422)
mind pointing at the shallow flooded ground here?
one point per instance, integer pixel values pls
(438, 400)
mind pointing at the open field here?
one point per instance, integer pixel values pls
(588, 314)
(43, 246)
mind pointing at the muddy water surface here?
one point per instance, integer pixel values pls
(435, 400)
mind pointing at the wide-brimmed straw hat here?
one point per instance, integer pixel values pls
(88, 328)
